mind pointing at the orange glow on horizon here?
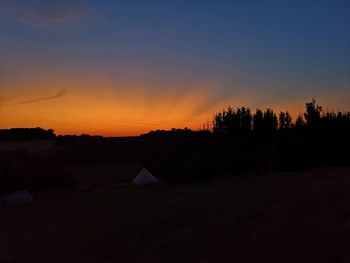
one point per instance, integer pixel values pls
(125, 111)
(109, 112)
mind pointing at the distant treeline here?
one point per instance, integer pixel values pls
(228, 122)
(173, 133)
(241, 120)
(17, 134)
(240, 141)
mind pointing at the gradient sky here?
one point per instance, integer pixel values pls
(126, 67)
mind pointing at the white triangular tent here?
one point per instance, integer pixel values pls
(144, 178)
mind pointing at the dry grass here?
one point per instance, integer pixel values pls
(302, 217)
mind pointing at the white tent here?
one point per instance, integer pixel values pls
(18, 198)
(144, 178)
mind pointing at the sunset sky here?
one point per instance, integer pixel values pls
(126, 67)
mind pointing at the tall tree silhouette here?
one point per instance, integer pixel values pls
(285, 121)
(218, 124)
(313, 114)
(300, 122)
(245, 119)
(258, 121)
(270, 120)
(264, 122)
(231, 121)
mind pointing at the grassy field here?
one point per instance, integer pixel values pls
(32, 146)
(291, 217)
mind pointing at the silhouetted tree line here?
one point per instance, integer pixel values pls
(16, 134)
(265, 140)
(241, 120)
(241, 141)
(173, 133)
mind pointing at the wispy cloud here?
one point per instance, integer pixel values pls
(44, 12)
(56, 96)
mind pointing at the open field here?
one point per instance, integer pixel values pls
(290, 217)
(32, 146)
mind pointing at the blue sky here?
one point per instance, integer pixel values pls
(261, 53)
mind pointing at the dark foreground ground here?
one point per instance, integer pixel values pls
(291, 217)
